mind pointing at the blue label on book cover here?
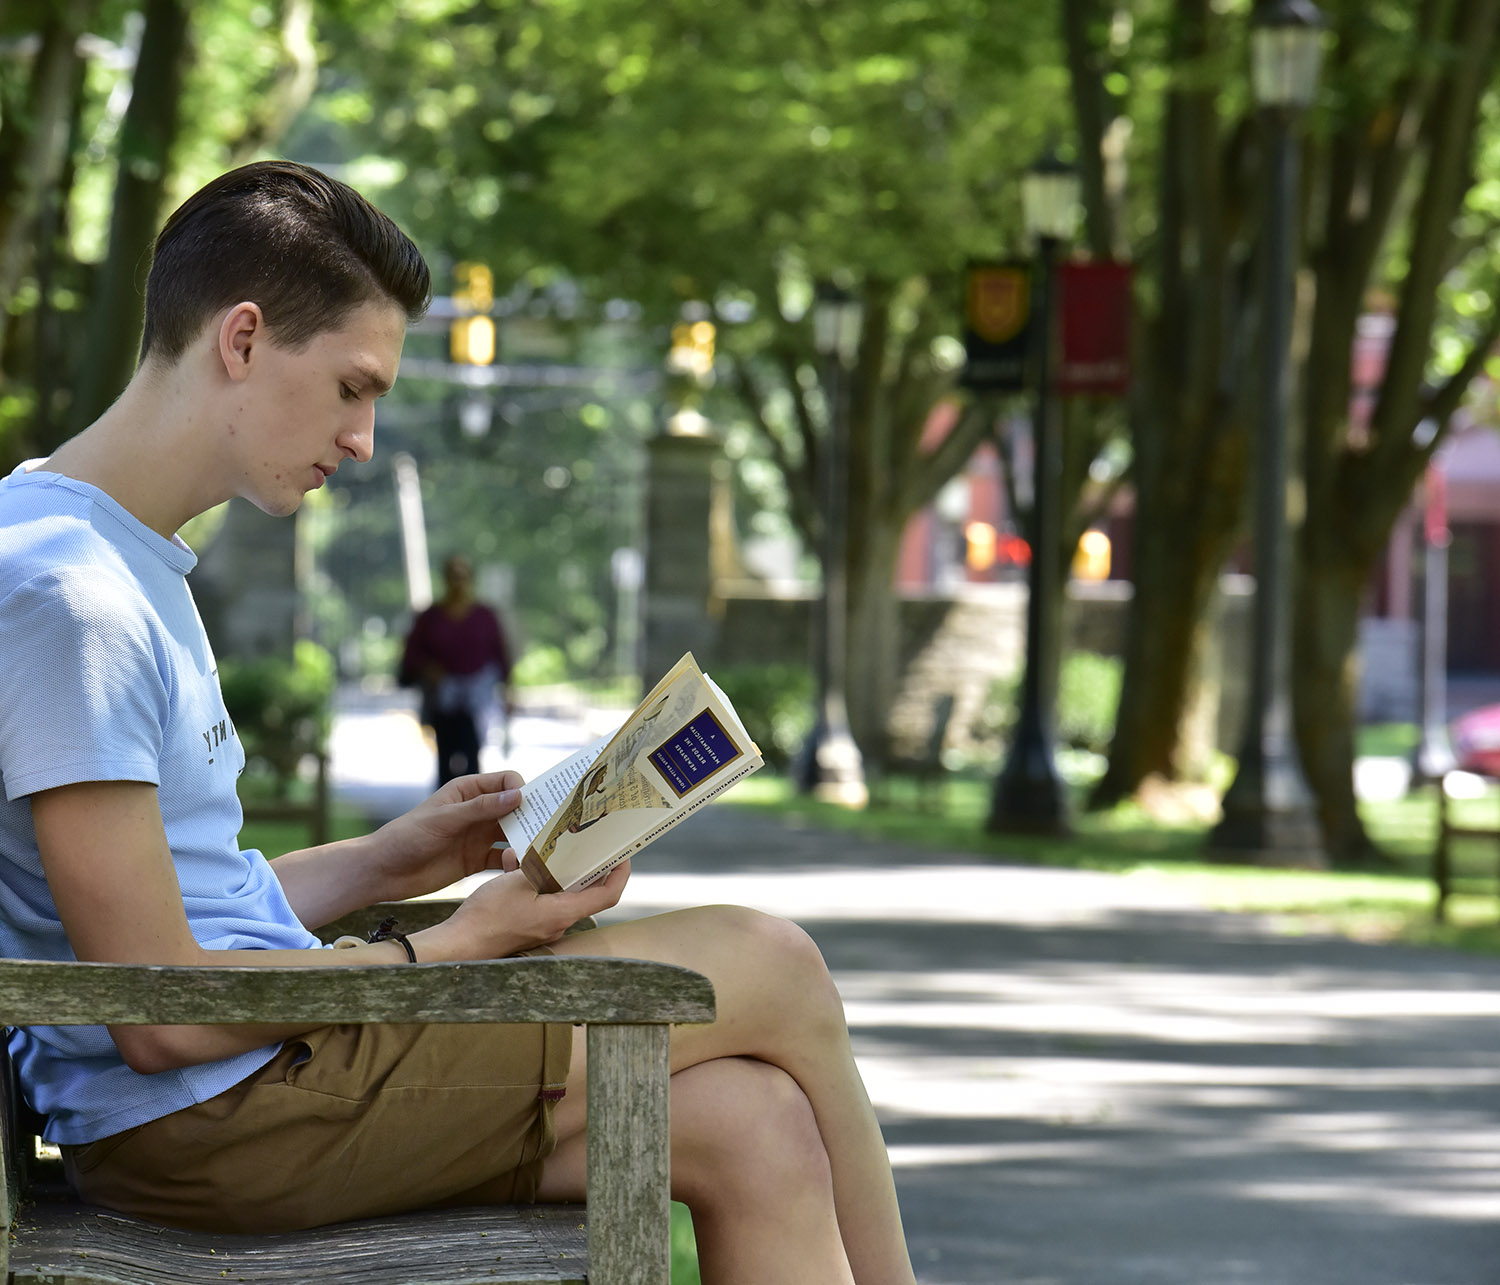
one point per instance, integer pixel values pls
(695, 753)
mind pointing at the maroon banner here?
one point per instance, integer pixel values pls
(1435, 511)
(1094, 311)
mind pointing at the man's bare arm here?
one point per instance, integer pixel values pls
(104, 851)
(105, 855)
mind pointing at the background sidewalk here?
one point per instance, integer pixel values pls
(1084, 1083)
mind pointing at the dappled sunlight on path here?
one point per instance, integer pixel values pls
(1087, 1079)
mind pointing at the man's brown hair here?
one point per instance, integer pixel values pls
(305, 247)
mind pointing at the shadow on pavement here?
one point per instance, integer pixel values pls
(1080, 1087)
(1086, 1081)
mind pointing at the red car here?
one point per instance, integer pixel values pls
(1476, 740)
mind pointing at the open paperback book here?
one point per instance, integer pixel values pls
(683, 746)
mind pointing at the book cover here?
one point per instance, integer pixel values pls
(681, 747)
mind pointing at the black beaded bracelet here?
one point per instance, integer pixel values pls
(386, 931)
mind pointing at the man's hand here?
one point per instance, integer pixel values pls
(447, 837)
(506, 914)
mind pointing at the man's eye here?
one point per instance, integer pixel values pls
(347, 393)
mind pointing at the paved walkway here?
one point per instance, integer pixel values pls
(1084, 1082)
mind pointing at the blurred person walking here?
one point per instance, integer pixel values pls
(457, 654)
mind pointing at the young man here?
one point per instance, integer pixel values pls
(276, 310)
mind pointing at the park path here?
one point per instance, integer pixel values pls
(1086, 1081)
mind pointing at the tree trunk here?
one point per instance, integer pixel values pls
(33, 157)
(1359, 477)
(146, 137)
(1325, 689)
(874, 639)
(1187, 414)
(1166, 644)
(290, 89)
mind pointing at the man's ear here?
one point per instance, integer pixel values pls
(242, 328)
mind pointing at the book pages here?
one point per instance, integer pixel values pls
(682, 745)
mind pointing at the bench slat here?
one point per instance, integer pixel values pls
(79, 1245)
(542, 989)
(630, 1213)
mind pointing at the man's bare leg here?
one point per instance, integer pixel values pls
(748, 1160)
(777, 1003)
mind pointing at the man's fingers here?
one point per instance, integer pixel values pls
(606, 892)
(495, 782)
(488, 806)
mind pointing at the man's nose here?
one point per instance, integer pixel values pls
(358, 441)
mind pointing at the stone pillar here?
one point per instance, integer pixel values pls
(245, 584)
(680, 611)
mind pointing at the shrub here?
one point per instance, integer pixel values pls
(1088, 697)
(281, 709)
(540, 665)
(776, 704)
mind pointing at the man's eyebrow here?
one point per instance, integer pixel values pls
(374, 379)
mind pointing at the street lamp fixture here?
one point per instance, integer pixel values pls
(1268, 809)
(1049, 199)
(829, 765)
(838, 317)
(1029, 794)
(1286, 53)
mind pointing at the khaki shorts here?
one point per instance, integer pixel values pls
(345, 1122)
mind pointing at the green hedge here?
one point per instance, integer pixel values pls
(775, 702)
(281, 709)
(1088, 698)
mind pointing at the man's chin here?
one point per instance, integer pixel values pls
(279, 506)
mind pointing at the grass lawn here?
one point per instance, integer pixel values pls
(1392, 903)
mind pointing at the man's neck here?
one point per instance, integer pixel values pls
(140, 454)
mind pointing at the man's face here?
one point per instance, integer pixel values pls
(310, 410)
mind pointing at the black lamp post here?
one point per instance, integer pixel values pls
(1029, 794)
(1268, 810)
(1434, 756)
(830, 766)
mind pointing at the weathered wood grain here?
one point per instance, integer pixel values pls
(630, 1213)
(77, 1244)
(414, 916)
(543, 989)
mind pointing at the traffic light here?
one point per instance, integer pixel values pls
(693, 348)
(1091, 561)
(980, 546)
(471, 336)
(476, 287)
(471, 341)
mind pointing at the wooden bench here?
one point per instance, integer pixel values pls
(1442, 853)
(49, 1238)
(313, 812)
(925, 766)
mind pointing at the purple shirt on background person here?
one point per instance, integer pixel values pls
(459, 647)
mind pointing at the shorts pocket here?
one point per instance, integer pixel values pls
(85, 1157)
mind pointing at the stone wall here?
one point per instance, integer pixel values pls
(962, 641)
(955, 642)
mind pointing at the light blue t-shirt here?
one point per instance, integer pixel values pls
(106, 675)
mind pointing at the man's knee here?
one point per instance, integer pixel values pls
(766, 941)
(746, 1127)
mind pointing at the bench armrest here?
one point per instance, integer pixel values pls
(627, 1004)
(570, 988)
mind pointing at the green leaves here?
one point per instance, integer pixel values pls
(646, 147)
